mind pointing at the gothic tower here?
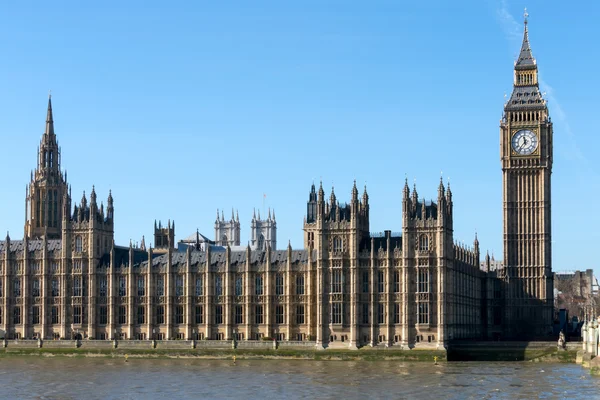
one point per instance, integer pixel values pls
(227, 233)
(526, 158)
(47, 189)
(263, 232)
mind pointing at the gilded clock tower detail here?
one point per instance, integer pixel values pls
(526, 156)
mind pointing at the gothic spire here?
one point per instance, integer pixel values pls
(321, 192)
(406, 189)
(49, 119)
(525, 59)
(354, 192)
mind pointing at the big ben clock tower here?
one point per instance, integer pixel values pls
(526, 156)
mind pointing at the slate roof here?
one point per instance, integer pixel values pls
(237, 257)
(525, 97)
(34, 244)
(525, 60)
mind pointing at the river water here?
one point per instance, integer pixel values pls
(113, 378)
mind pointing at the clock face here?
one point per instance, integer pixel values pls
(524, 142)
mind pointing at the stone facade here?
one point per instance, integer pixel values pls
(526, 156)
(348, 287)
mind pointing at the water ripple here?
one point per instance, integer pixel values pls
(97, 378)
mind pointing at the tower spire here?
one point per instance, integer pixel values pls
(525, 57)
(49, 118)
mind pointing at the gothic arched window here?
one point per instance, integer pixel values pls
(224, 240)
(338, 245)
(261, 242)
(78, 244)
(423, 243)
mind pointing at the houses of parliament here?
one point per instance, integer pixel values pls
(347, 287)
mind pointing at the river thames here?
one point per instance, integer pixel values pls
(113, 378)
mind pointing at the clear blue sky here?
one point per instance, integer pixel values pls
(185, 107)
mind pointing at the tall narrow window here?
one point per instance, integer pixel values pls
(258, 287)
(239, 285)
(261, 243)
(279, 319)
(218, 314)
(300, 284)
(300, 314)
(17, 315)
(396, 313)
(199, 285)
(122, 286)
(77, 286)
(259, 314)
(239, 315)
(336, 313)
(338, 244)
(423, 280)
(218, 285)
(423, 311)
(423, 243)
(336, 281)
(396, 281)
(36, 315)
(199, 314)
(179, 285)
(381, 282)
(365, 313)
(102, 311)
(78, 244)
(35, 289)
(365, 282)
(279, 284)
(141, 315)
(381, 313)
(179, 315)
(1, 289)
(77, 314)
(160, 286)
(122, 315)
(141, 286)
(160, 314)
(17, 288)
(102, 286)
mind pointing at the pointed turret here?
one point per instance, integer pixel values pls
(406, 189)
(332, 197)
(93, 197)
(83, 201)
(110, 210)
(415, 196)
(365, 197)
(441, 189)
(49, 119)
(143, 244)
(525, 59)
(354, 192)
(312, 196)
(321, 197)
